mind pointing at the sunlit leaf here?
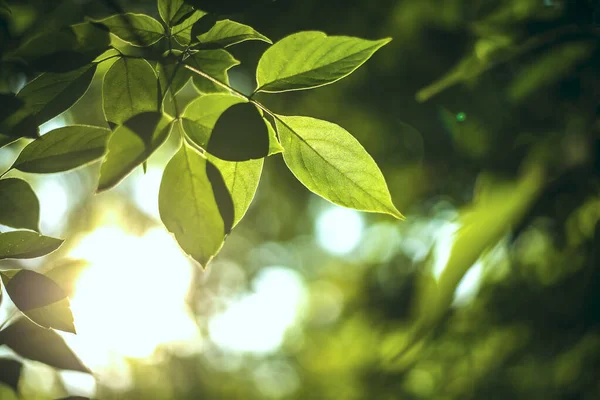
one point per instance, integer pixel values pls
(332, 163)
(35, 343)
(130, 87)
(19, 206)
(183, 32)
(65, 273)
(311, 59)
(215, 63)
(131, 144)
(63, 149)
(40, 299)
(26, 244)
(44, 98)
(136, 29)
(172, 11)
(188, 205)
(10, 372)
(226, 33)
(172, 74)
(240, 134)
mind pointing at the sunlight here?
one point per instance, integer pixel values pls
(339, 230)
(258, 321)
(132, 297)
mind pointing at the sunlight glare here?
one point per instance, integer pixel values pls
(339, 230)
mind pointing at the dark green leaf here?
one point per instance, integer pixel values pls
(136, 29)
(10, 372)
(10, 105)
(228, 6)
(173, 11)
(215, 63)
(35, 343)
(226, 33)
(131, 144)
(332, 163)
(66, 272)
(19, 206)
(240, 134)
(45, 97)
(173, 75)
(188, 206)
(183, 32)
(129, 88)
(26, 244)
(40, 299)
(63, 149)
(311, 59)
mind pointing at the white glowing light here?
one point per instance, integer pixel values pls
(339, 230)
(132, 297)
(258, 321)
(145, 191)
(54, 205)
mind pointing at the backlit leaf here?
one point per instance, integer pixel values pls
(65, 273)
(26, 244)
(215, 63)
(188, 205)
(332, 163)
(311, 59)
(19, 206)
(172, 11)
(136, 29)
(226, 33)
(183, 31)
(129, 88)
(63, 149)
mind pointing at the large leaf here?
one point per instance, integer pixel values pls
(131, 144)
(10, 372)
(63, 149)
(172, 74)
(44, 345)
(188, 205)
(241, 178)
(215, 63)
(333, 164)
(136, 29)
(240, 134)
(65, 272)
(44, 98)
(26, 244)
(226, 33)
(183, 32)
(311, 59)
(129, 88)
(172, 11)
(19, 206)
(40, 299)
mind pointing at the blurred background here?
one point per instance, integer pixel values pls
(484, 117)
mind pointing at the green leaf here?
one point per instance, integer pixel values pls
(240, 134)
(32, 342)
(215, 63)
(137, 29)
(172, 74)
(311, 59)
(63, 149)
(332, 163)
(183, 32)
(26, 244)
(130, 87)
(10, 372)
(44, 98)
(188, 205)
(226, 33)
(131, 144)
(66, 272)
(19, 206)
(172, 11)
(40, 299)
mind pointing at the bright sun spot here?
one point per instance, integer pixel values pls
(339, 230)
(132, 297)
(258, 321)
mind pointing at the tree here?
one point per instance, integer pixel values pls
(224, 137)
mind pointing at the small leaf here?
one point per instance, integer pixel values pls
(19, 206)
(129, 88)
(215, 63)
(66, 272)
(172, 75)
(26, 244)
(188, 206)
(311, 59)
(240, 134)
(183, 32)
(44, 98)
(63, 149)
(172, 11)
(131, 144)
(332, 163)
(10, 372)
(40, 299)
(137, 29)
(226, 33)
(32, 342)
